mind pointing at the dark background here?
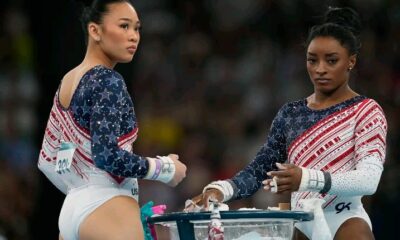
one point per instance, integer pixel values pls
(207, 80)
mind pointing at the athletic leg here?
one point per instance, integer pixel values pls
(354, 228)
(116, 219)
(298, 235)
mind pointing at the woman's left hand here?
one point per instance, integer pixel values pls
(288, 178)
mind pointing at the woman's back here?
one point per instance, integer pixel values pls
(71, 121)
(69, 84)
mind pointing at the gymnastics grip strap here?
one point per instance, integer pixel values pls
(161, 169)
(315, 181)
(223, 186)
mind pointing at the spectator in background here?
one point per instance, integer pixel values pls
(330, 145)
(18, 97)
(87, 146)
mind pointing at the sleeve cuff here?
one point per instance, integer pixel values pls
(314, 181)
(160, 169)
(223, 186)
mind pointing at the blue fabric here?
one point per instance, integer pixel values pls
(102, 105)
(291, 121)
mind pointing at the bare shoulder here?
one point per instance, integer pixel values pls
(73, 74)
(69, 84)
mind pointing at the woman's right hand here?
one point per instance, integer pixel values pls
(204, 199)
(180, 170)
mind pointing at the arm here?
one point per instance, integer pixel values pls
(48, 153)
(112, 119)
(48, 170)
(370, 146)
(249, 180)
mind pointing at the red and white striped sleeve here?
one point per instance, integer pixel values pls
(370, 149)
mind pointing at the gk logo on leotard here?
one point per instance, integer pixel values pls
(341, 206)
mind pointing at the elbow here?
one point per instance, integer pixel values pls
(100, 162)
(41, 161)
(372, 186)
(106, 164)
(372, 189)
(44, 166)
(39, 165)
(104, 157)
(375, 178)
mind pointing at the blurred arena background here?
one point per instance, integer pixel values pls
(207, 80)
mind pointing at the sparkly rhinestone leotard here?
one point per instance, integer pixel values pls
(101, 121)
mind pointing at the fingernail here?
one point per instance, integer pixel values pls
(269, 173)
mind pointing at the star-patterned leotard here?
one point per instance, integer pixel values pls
(348, 140)
(101, 121)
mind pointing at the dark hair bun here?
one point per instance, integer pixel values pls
(84, 2)
(345, 17)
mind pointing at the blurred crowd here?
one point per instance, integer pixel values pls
(207, 80)
(19, 92)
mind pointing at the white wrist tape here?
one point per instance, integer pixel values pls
(161, 169)
(274, 184)
(311, 180)
(223, 186)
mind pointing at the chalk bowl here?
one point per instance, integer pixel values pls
(238, 225)
(242, 229)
